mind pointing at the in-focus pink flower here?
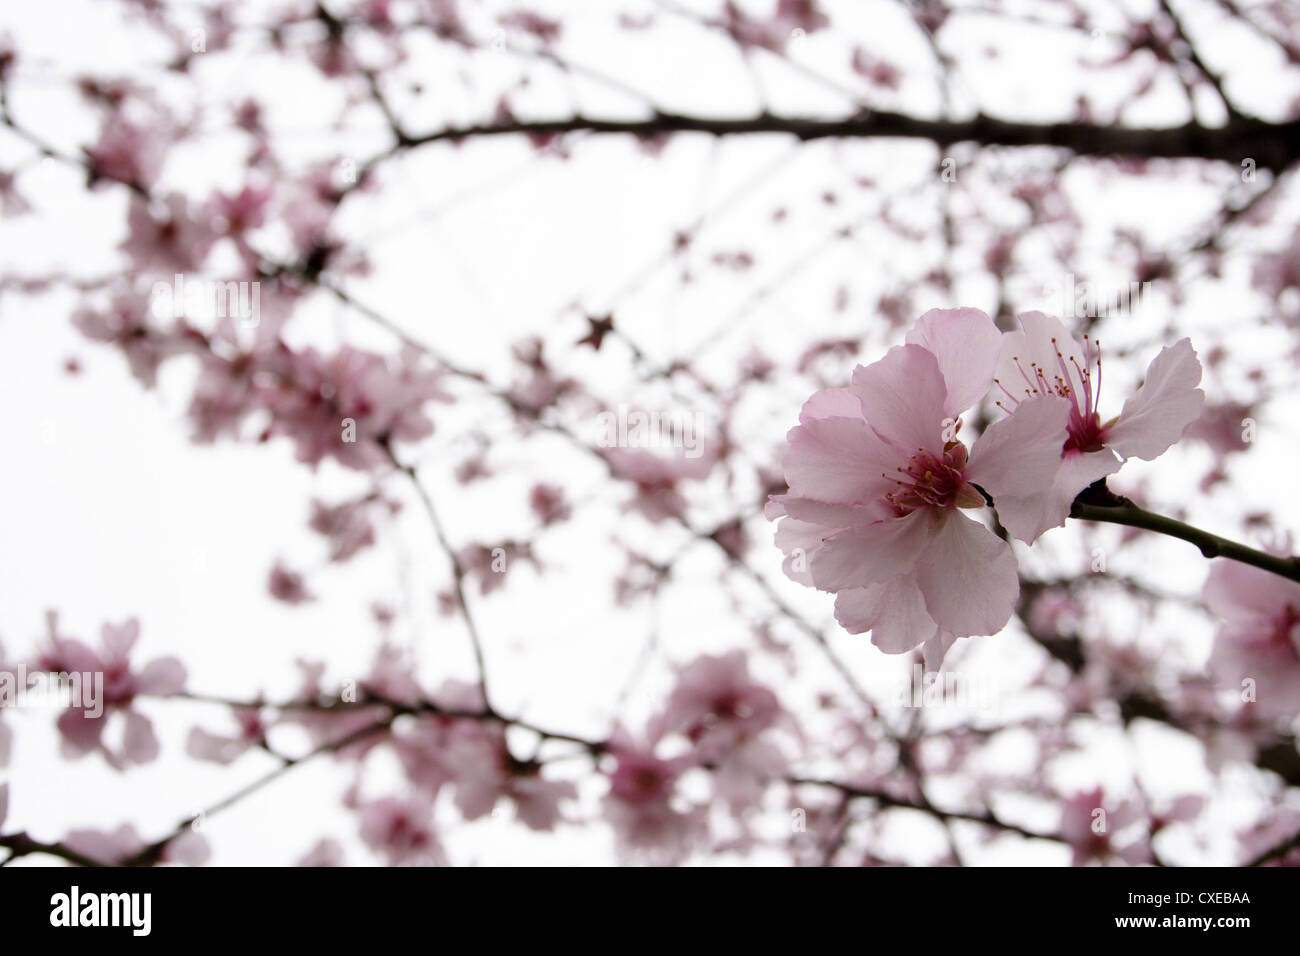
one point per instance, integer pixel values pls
(878, 483)
(1259, 634)
(1045, 359)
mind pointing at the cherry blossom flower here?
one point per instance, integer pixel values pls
(1101, 832)
(167, 237)
(81, 727)
(401, 830)
(347, 526)
(728, 718)
(484, 772)
(425, 745)
(717, 705)
(656, 478)
(12, 203)
(549, 504)
(128, 152)
(489, 564)
(1259, 635)
(1044, 359)
(878, 484)
(1277, 275)
(641, 805)
(349, 405)
(225, 749)
(124, 323)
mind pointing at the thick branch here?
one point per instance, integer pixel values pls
(1271, 145)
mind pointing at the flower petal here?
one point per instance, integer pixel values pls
(965, 342)
(903, 397)
(831, 403)
(870, 553)
(968, 576)
(1021, 454)
(797, 541)
(1027, 516)
(1238, 592)
(893, 611)
(837, 459)
(1159, 412)
(936, 649)
(1035, 347)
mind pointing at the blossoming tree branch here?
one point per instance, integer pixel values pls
(456, 432)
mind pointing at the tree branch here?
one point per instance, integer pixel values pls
(1099, 503)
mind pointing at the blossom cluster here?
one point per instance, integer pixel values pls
(882, 489)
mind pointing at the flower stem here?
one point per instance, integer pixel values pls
(1099, 503)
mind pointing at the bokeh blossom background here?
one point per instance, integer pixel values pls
(473, 629)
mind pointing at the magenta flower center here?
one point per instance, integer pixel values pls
(1086, 433)
(928, 481)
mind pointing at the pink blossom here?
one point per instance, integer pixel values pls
(1100, 831)
(225, 748)
(1259, 634)
(325, 852)
(81, 727)
(124, 323)
(349, 405)
(325, 725)
(728, 719)
(716, 705)
(347, 526)
(127, 152)
(1278, 273)
(878, 483)
(167, 237)
(490, 564)
(287, 585)
(12, 203)
(116, 846)
(643, 808)
(549, 504)
(1044, 359)
(484, 772)
(656, 478)
(309, 206)
(527, 21)
(401, 830)
(1279, 827)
